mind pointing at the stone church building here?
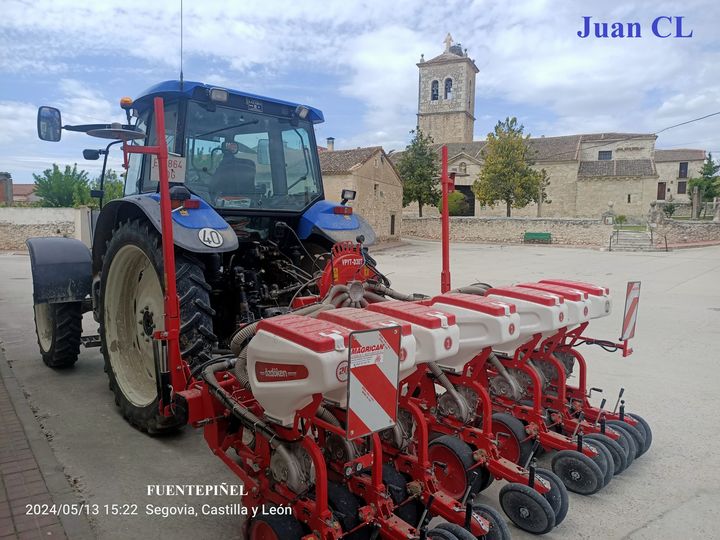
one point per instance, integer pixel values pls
(586, 171)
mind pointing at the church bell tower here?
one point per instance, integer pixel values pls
(446, 95)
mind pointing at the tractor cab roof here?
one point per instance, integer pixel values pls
(201, 91)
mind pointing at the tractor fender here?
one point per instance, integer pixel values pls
(322, 219)
(61, 269)
(188, 226)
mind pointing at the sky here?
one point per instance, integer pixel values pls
(356, 61)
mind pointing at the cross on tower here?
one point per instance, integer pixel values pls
(448, 42)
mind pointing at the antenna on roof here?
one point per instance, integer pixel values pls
(181, 45)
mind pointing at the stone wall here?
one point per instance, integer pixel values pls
(636, 148)
(682, 232)
(572, 232)
(684, 209)
(19, 224)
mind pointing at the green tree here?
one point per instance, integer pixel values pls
(507, 174)
(113, 185)
(708, 183)
(419, 170)
(457, 204)
(62, 188)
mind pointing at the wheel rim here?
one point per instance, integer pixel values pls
(259, 530)
(133, 308)
(44, 326)
(452, 476)
(509, 446)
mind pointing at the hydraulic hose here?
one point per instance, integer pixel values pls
(247, 418)
(471, 289)
(381, 289)
(370, 296)
(517, 391)
(333, 292)
(340, 299)
(439, 374)
(325, 414)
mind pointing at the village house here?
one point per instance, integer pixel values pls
(24, 194)
(370, 173)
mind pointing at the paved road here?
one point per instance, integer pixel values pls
(671, 380)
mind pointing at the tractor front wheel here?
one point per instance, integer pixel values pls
(132, 309)
(58, 328)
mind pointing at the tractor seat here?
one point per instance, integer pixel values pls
(234, 176)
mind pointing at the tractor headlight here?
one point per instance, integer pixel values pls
(301, 111)
(218, 95)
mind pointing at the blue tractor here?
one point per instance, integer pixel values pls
(252, 232)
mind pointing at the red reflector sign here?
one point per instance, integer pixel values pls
(374, 364)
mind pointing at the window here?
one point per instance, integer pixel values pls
(392, 224)
(171, 127)
(683, 169)
(376, 189)
(682, 188)
(463, 168)
(448, 88)
(132, 180)
(604, 155)
(239, 159)
(434, 91)
(629, 199)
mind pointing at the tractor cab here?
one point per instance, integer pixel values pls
(251, 159)
(238, 151)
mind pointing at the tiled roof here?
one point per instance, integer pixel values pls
(680, 154)
(555, 148)
(617, 167)
(566, 147)
(544, 148)
(344, 161)
(23, 190)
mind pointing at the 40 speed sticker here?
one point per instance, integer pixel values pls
(210, 237)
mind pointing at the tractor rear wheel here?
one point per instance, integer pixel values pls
(58, 328)
(132, 309)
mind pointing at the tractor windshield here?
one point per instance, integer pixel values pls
(240, 159)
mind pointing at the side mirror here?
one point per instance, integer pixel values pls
(49, 124)
(347, 195)
(91, 154)
(263, 152)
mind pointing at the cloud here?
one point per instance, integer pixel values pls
(361, 57)
(17, 120)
